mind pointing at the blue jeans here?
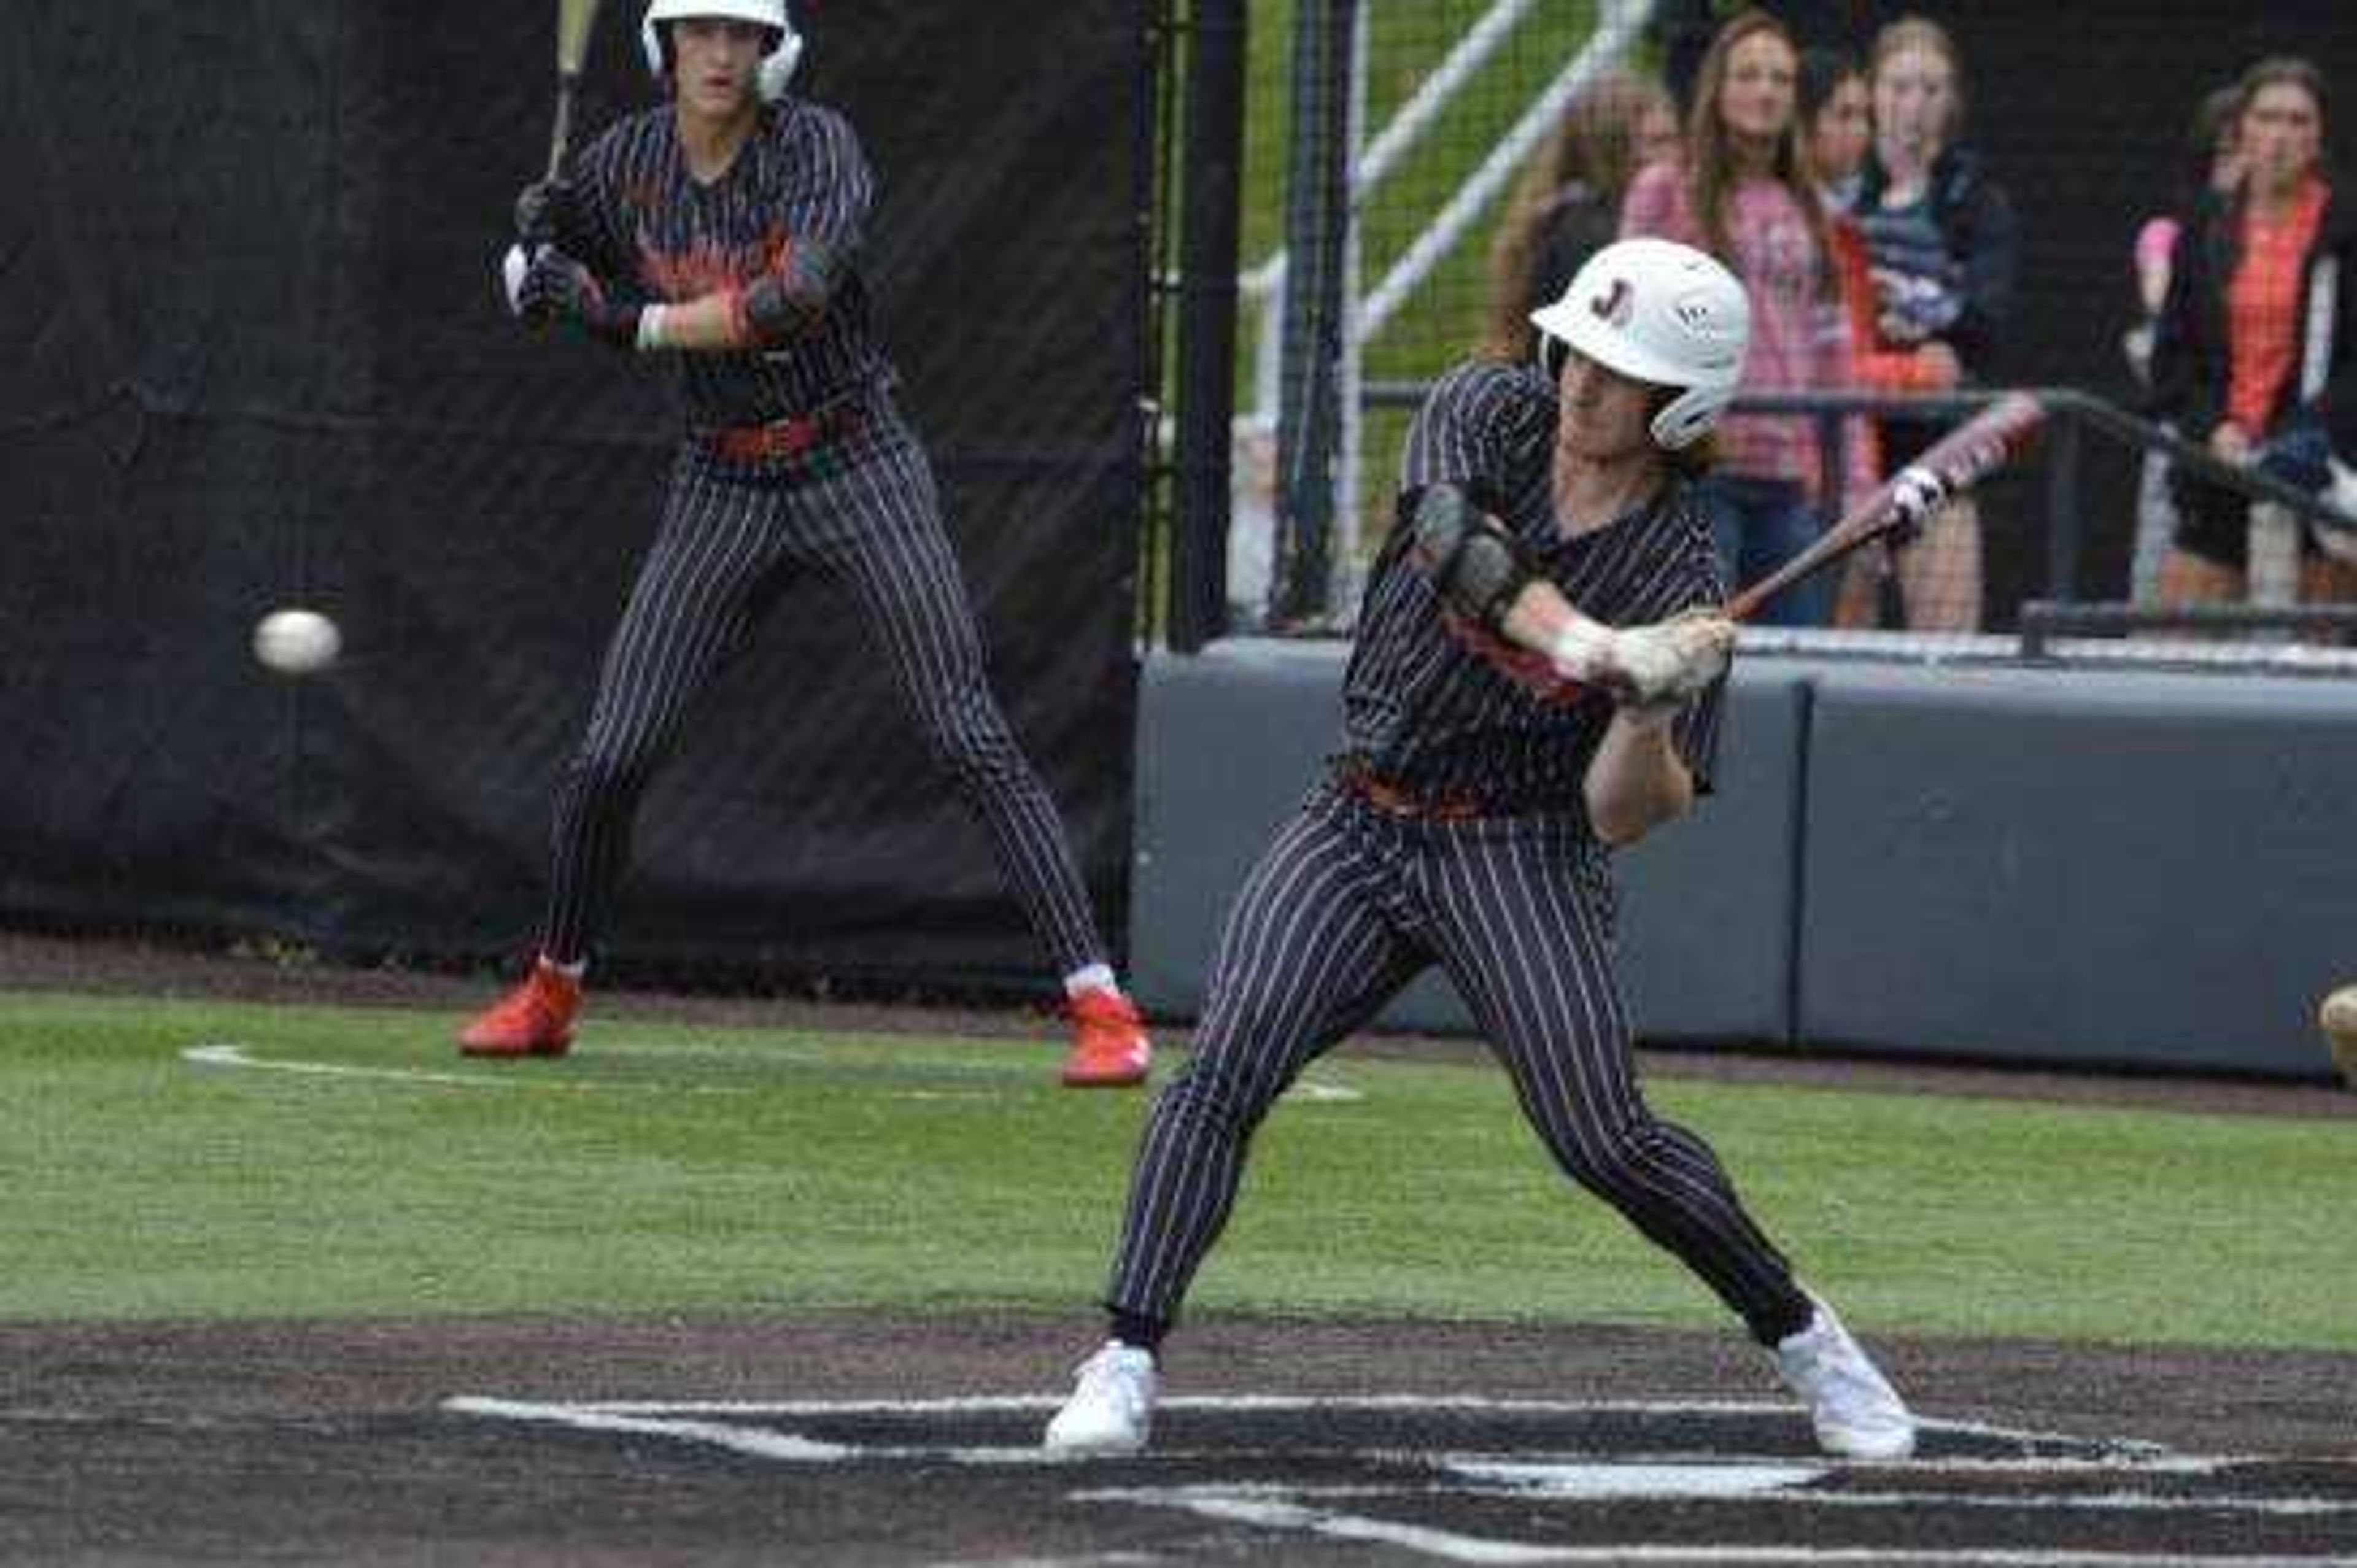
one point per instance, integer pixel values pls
(1757, 526)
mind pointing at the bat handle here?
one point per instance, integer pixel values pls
(561, 136)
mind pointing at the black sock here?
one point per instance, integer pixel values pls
(1137, 1330)
(1771, 1326)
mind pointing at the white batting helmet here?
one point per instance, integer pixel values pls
(1661, 313)
(777, 66)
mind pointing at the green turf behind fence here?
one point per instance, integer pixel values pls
(666, 1167)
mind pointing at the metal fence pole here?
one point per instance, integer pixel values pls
(1212, 201)
(2063, 518)
(1317, 220)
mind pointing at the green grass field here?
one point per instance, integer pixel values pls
(369, 1172)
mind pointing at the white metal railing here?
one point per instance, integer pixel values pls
(1618, 25)
(1264, 285)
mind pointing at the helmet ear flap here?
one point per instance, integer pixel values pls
(1551, 354)
(777, 65)
(1688, 417)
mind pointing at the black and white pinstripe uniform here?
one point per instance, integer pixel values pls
(1514, 903)
(857, 506)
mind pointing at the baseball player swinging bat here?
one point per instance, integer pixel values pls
(1966, 454)
(574, 19)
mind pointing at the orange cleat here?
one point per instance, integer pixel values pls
(1110, 1050)
(535, 1019)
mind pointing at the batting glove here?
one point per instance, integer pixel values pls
(545, 213)
(1642, 666)
(555, 287)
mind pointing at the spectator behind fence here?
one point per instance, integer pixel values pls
(1942, 237)
(1681, 32)
(2255, 357)
(1568, 206)
(1837, 126)
(1741, 190)
(2212, 168)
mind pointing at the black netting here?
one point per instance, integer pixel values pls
(253, 354)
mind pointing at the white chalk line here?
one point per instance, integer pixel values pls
(236, 1056)
(541, 1075)
(1237, 1505)
(2110, 1455)
(1570, 1478)
(2114, 1452)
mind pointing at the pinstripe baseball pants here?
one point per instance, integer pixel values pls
(1348, 905)
(864, 511)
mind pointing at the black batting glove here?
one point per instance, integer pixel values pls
(545, 212)
(555, 287)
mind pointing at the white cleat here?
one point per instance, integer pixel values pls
(1112, 1407)
(1856, 1411)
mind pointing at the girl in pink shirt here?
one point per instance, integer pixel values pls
(1742, 192)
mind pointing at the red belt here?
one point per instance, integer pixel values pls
(783, 438)
(1410, 805)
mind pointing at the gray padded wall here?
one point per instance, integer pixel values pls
(2134, 868)
(1229, 740)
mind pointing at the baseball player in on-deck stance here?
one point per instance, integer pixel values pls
(721, 230)
(1499, 736)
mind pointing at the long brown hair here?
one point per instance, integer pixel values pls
(1595, 146)
(1710, 155)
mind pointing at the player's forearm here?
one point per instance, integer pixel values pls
(705, 325)
(1540, 616)
(1636, 782)
(733, 321)
(788, 299)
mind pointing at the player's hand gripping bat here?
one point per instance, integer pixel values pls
(1953, 463)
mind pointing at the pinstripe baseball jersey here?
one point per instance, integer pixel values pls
(1444, 712)
(857, 505)
(795, 201)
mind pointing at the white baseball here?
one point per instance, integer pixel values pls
(296, 642)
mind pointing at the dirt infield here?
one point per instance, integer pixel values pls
(843, 1439)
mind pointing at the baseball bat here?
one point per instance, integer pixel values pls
(575, 18)
(1966, 453)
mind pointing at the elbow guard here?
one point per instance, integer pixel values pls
(791, 298)
(1477, 568)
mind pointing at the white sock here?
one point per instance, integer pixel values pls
(1094, 977)
(574, 971)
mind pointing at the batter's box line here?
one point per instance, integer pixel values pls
(710, 1421)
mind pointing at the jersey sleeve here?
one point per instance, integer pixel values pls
(1464, 434)
(827, 190)
(820, 217)
(600, 235)
(1695, 735)
(1697, 585)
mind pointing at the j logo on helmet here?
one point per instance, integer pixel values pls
(1615, 304)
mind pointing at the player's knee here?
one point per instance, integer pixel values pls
(970, 742)
(978, 768)
(1614, 1162)
(602, 774)
(1225, 1088)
